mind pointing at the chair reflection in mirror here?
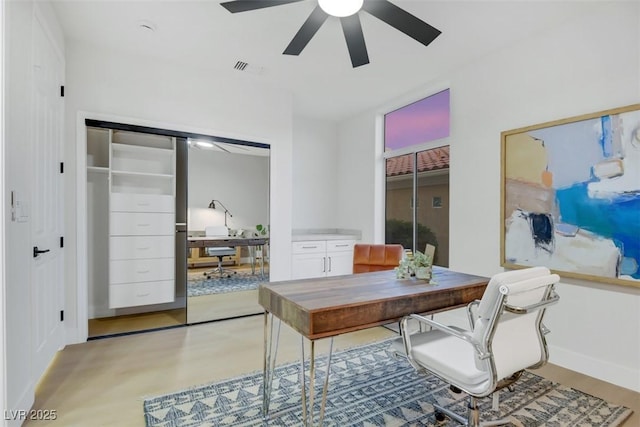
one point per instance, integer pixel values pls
(219, 231)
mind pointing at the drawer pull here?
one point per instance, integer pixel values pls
(143, 225)
(143, 249)
(143, 271)
(143, 295)
(342, 246)
(143, 203)
(309, 247)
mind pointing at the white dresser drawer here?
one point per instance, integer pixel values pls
(128, 202)
(142, 224)
(134, 294)
(340, 245)
(141, 270)
(139, 247)
(308, 247)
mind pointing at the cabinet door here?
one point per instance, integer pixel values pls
(305, 266)
(339, 263)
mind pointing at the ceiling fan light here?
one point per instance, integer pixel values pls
(341, 8)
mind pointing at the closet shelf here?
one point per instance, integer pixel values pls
(97, 169)
(141, 149)
(141, 174)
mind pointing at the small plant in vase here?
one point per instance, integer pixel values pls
(415, 264)
(422, 265)
(261, 230)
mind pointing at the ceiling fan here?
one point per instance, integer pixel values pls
(347, 11)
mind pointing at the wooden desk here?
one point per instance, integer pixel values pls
(330, 306)
(212, 242)
(325, 307)
(218, 242)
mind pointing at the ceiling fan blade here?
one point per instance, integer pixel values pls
(355, 40)
(247, 5)
(402, 20)
(306, 32)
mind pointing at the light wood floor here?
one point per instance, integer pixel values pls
(136, 322)
(104, 382)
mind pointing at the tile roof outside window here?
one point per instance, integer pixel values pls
(428, 160)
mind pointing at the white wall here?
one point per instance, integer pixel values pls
(316, 160)
(360, 159)
(19, 20)
(145, 91)
(3, 367)
(588, 64)
(240, 182)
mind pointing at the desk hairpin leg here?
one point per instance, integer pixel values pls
(262, 262)
(308, 413)
(253, 255)
(270, 354)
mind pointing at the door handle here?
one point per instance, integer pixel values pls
(37, 251)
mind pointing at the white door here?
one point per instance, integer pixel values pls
(47, 289)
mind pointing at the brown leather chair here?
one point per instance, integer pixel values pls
(376, 257)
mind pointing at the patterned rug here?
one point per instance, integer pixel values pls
(369, 387)
(198, 284)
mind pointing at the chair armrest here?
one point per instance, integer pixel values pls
(553, 299)
(465, 335)
(471, 315)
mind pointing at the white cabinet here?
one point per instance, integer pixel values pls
(142, 205)
(339, 257)
(131, 201)
(320, 258)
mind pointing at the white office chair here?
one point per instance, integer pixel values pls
(506, 337)
(219, 252)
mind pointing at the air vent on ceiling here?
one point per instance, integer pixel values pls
(245, 66)
(240, 65)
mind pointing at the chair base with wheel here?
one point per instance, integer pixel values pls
(220, 271)
(219, 252)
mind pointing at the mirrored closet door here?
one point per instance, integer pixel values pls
(228, 228)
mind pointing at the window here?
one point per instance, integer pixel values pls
(422, 121)
(417, 182)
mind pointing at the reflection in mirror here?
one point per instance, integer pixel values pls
(228, 229)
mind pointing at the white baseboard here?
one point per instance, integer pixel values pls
(615, 374)
(72, 336)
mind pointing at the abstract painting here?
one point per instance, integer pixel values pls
(570, 196)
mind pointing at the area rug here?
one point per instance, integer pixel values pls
(198, 284)
(369, 387)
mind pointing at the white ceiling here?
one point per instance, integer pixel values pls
(323, 83)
